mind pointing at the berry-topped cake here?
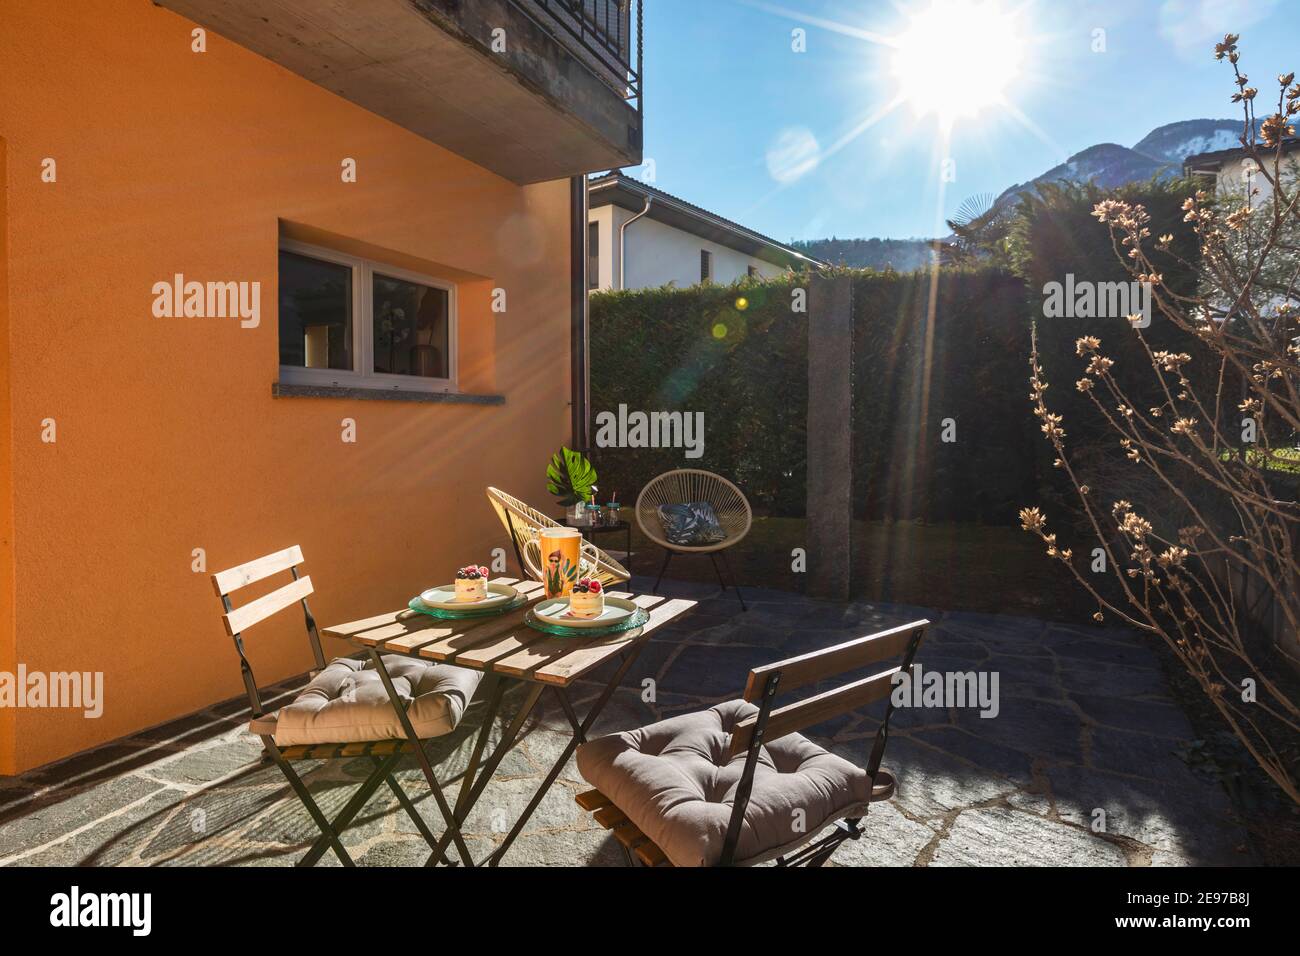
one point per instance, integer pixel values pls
(587, 598)
(471, 583)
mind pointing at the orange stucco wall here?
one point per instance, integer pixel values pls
(168, 438)
(7, 658)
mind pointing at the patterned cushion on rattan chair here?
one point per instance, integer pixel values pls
(346, 703)
(691, 523)
(674, 781)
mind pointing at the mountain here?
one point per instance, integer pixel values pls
(1160, 153)
(1174, 142)
(901, 255)
(1106, 164)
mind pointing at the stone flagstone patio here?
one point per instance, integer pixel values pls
(1086, 724)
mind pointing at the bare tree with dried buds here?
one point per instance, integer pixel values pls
(1223, 454)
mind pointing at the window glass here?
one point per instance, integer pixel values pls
(411, 328)
(315, 313)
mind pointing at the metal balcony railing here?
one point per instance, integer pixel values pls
(604, 34)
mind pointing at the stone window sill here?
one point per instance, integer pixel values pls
(286, 390)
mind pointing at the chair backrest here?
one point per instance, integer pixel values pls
(772, 723)
(239, 619)
(523, 522)
(685, 485)
(795, 672)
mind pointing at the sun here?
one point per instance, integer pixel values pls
(956, 58)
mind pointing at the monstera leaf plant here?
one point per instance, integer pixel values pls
(570, 477)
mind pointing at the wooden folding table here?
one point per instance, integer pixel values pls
(507, 650)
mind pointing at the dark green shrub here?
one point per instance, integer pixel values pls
(736, 353)
(912, 373)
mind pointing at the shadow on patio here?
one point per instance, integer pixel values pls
(1078, 767)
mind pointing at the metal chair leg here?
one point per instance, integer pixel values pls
(668, 556)
(713, 559)
(735, 583)
(351, 809)
(453, 827)
(304, 795)
(411, 810)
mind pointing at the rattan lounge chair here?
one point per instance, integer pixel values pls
(736, 785)
(523, 523)
(690, 485)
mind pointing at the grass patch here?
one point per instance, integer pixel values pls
(1284, 460)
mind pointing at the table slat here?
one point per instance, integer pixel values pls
(398, 628)
(562, 660)
(503, 645)
(455, 646)
(373, 631)
(581, 660)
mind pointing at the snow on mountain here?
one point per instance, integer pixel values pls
(1160, 153)
(1106, 164)
(1174, 142)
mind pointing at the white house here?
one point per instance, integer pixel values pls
(640, 237)
(1234, 171)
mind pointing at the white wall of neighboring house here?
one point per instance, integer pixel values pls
(1238, 175)
(605, 217)
(659, 254)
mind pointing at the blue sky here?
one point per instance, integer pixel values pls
(732, 109)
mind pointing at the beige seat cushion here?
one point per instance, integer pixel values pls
(346, 703)
(674, 781)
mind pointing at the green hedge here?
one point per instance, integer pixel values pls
(1055, 234)
(977, 366)
(738, 354)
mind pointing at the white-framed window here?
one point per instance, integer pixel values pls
(706, 265)
(361, 323)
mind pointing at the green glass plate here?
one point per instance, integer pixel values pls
(415, 604)
(639, 619)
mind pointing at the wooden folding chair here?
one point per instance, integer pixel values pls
(383, 753)
(648, 782)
